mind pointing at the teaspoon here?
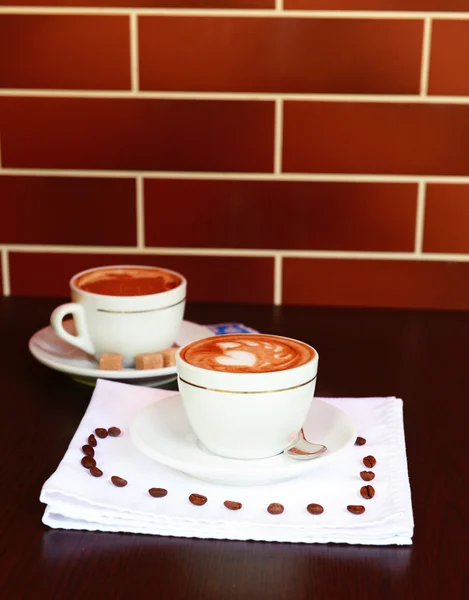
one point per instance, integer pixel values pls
(302, 449)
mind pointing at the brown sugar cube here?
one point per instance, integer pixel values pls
(111, 362)
(169, 356)
(150, 360)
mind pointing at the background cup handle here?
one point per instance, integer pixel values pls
(82, 340)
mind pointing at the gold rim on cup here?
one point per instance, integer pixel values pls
(201, 387)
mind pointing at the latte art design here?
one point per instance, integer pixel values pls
(261, 354)
(246, 353)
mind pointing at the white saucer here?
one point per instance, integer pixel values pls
(53, 352)
(162, 432)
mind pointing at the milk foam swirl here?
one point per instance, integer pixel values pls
(247, 353)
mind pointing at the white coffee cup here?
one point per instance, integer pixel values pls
(246, 415)
(122, 324)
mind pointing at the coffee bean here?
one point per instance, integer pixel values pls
(197, 499)
(101, 433)
(232, 505)
(118, 481)
(315, 509)
(360, 441)
(114, 431)
(356, 509)
(275, 508)
(87, 449)
(367, 475)
(369, 461)
(88, 462)
(92, 441)
(96, 472)
(367, 491)
(157, 492)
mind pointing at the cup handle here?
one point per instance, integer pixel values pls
(82, 340)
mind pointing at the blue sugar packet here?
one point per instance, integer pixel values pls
(225, 328)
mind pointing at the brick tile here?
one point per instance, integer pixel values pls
(275, 214)
(447, 219)
(291, 55)
(378, 283)
(140, 134)
(389, 138)
(401, 5)
(60, 210)
(449, 66)
(220, 4)
(48, 51)
(210, 278)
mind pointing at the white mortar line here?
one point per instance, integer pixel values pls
(235, 97)
(401, 256)
(311, 177)
(209, 175)
(140, 212)
(5, 273)
(278, 5)
(278, 136)
(134, 250)
(420, 218)
(278, 279)
(426, 51)
(134, 61)
(122, 94)
(242, 252)
(267, 13)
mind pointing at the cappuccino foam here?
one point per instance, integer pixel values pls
(247, 353)
(128, 281)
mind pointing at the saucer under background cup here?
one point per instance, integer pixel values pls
(50, 350)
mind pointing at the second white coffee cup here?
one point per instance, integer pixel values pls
(122, 324)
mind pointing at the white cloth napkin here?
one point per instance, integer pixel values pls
(76, 500)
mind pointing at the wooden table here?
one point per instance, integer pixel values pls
(422, 357)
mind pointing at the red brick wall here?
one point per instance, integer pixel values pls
(296, 152)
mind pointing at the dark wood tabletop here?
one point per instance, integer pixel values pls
(420, 356)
